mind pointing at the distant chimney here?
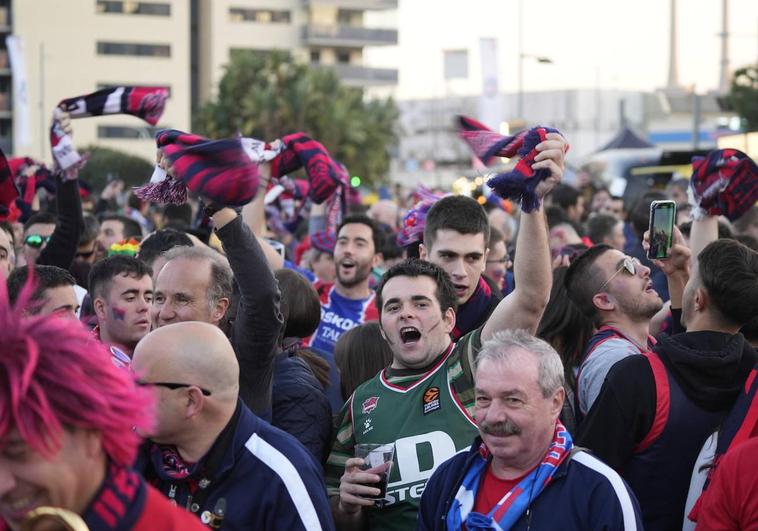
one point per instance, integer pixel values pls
(673, 81)
(724, 74)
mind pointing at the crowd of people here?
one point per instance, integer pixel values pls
(210, 365)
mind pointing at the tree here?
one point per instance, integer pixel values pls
(743, 95)
(268, 95)
(133, 170)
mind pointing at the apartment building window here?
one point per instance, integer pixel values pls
(129, 7)
(315, 57)
(263, 16)
(121, 131)
(343, 57)
(136, 49)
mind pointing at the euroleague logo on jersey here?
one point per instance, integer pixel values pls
(431, 399)
(369, 404)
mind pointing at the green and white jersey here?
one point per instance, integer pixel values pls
(428, 416)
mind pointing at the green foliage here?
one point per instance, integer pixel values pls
(743, 95)
(133, 170)
(268, 95)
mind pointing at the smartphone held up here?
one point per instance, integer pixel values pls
(661, 230)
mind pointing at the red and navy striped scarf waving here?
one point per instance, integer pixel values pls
(520, 183)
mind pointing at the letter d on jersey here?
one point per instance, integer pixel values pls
(409, 452)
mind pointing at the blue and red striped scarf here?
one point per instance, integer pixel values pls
(143, 102)
(520, 183)
(226, 171)
(513, 503)
(724, 182)
(474, 312)
(119, 502)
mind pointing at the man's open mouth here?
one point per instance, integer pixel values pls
(409, 334)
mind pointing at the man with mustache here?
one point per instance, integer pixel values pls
(423, 403)
(523, 470)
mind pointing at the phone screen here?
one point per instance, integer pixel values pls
(662, 216)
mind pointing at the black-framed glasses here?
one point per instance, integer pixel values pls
(505, 260)
(36, 240)
(174, 386)
(629, 265)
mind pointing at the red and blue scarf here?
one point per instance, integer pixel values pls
(474, 312)
(226, 171)
(143, 102)
(119, 503)
(520, 183)
(724, 182)
(515, 502)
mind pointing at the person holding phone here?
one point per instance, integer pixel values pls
(655, 412)
(614, 291)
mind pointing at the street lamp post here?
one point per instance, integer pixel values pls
(540, 59)
(521, 57)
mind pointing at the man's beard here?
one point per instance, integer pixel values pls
(641, 308)
(362, 271)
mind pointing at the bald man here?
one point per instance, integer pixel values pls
(208, 452)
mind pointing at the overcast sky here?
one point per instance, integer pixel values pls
(593, 43)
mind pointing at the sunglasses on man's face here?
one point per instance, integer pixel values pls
(173, 386)
(36, 240)
(629, 265)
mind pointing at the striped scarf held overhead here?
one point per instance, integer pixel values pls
(724, 182)
(227, 171)
(143, 102)
(514, 503)
(520, 183)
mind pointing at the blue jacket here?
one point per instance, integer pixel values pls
(300, 406)
(584, 494)
(265, 477)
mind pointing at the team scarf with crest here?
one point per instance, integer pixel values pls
(723, 182)
(518, 184)
(515, 502)
(226, 172)
(143, 102)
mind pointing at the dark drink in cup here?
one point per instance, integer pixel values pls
(377, 459)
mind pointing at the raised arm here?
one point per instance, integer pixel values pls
(523, 308)
(254, 216)
(258, 323)
(61, 249)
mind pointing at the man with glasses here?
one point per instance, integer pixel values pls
(655, 412)
(208, 452)
(615, 292)
(499, 262)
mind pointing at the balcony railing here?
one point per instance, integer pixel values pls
(348, 36)
(362, 76)
(355, 4)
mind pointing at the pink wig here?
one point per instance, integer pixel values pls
(54, 375)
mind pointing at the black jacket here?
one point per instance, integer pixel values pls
(258, 322)
(702, 373)
(583, 494)
(300, 406)
(61, 249)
